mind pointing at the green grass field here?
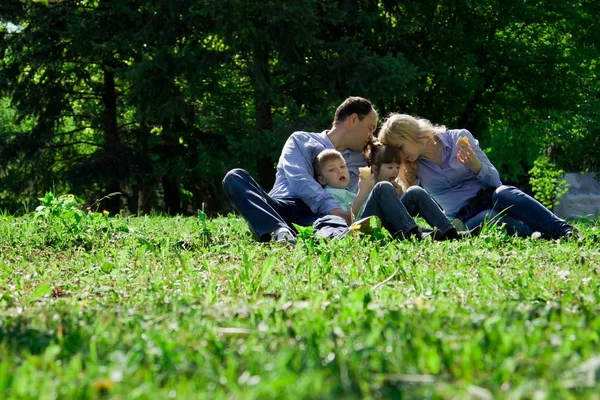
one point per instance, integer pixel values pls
(94, 306)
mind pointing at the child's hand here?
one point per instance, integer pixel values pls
(397, 187)
(366, 184)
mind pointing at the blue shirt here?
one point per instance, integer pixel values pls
(453, 183)
(295, 174)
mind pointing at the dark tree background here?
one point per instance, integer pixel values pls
(157, 99)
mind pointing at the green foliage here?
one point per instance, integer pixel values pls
(204, 230)
(157, 100)
(547, 182)
(490, 317)
(67, 225)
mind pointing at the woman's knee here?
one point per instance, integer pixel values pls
(505, 193)
(416, 192)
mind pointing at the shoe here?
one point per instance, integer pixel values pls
(364, 225)
(414, 233)
(284, 236)
(452, 234)
(470, 232)
(438, 236)
(570, 235)
(458, 224)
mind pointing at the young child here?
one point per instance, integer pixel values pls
(378, 196)
(331, 172)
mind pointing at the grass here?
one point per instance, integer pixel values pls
(94, 306)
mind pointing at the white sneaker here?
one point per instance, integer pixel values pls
(285, 237)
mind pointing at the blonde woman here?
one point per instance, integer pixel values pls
(451, 166)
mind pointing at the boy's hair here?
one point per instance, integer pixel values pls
(377, 153)
(323, 157)
(352, 105)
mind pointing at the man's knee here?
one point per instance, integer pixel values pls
(234, 174)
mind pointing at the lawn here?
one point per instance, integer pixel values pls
(96, 306)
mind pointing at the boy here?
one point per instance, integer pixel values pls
(331, 172)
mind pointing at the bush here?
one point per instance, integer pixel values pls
(547, 182)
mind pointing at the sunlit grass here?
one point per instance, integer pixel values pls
(158, 307)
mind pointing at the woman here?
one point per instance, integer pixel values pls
(462, 180)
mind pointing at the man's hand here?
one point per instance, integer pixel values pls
(341, 213)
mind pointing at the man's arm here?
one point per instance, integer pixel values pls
(296, 162)
(341, 213)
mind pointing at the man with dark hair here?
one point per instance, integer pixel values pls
(296, 196)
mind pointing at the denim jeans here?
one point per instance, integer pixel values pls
(266, 214)
(521, 213)
(419, 202)
(396, 214)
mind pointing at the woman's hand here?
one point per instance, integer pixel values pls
(467, 157)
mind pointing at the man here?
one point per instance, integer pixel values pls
(296, 196)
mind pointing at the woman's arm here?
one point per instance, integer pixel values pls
(473, 157)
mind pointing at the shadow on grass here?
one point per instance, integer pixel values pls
(18, 335)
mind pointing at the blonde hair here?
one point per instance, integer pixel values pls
(404, 126)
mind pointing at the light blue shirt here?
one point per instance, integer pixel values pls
(343, 197)
(453, 183)
(295, 174)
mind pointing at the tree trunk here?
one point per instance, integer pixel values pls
(264, 114)
(172, 194)
(172, 156)
(111, 140)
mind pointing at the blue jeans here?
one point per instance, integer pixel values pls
(396, 214)
(521, 213)
(266, 214)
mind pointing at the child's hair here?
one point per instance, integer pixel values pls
(323, 157)
(378, 153)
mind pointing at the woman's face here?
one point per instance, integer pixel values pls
(387, 172)
(410, 150)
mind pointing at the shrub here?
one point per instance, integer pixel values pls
(547, 182)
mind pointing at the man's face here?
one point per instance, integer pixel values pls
(361, 132)
(334, 173)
